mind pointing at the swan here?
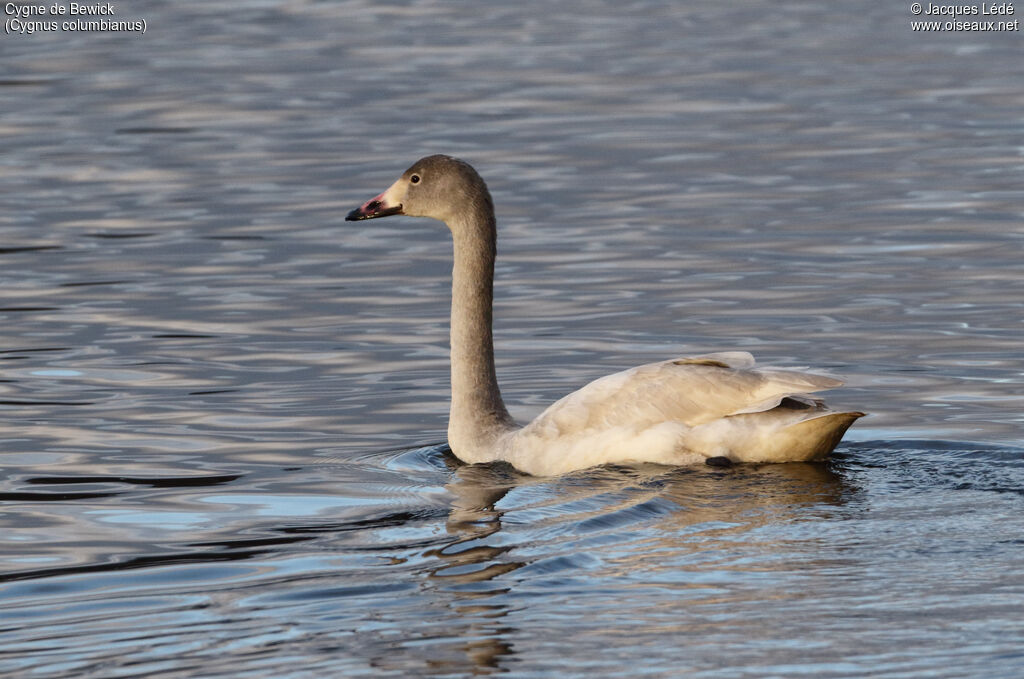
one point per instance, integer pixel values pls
(677, 412)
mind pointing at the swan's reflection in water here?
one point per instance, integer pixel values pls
(470, 569)
(631, 527)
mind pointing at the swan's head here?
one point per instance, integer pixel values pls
(440, 187)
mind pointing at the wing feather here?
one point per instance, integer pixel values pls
(690, 390)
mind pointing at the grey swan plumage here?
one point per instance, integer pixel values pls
(681, 411)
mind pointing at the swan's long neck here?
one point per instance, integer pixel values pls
(478, 415)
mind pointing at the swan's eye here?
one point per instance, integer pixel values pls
(415, 179)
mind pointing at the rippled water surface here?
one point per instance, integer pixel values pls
(222, 408)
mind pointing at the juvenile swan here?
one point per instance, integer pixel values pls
(681, 411)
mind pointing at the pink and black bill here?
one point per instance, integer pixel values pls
(373, 208)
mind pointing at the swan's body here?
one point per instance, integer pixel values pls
(681, 411)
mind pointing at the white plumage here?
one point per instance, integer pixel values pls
(681, 412)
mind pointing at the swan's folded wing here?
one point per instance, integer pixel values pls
(692, 391)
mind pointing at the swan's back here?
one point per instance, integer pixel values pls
(680, 412)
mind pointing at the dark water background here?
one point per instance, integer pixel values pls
(220, 405)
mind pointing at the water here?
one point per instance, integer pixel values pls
(222, 408)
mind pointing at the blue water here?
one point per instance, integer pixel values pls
(222, 408)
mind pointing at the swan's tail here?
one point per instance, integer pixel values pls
(815, 438)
